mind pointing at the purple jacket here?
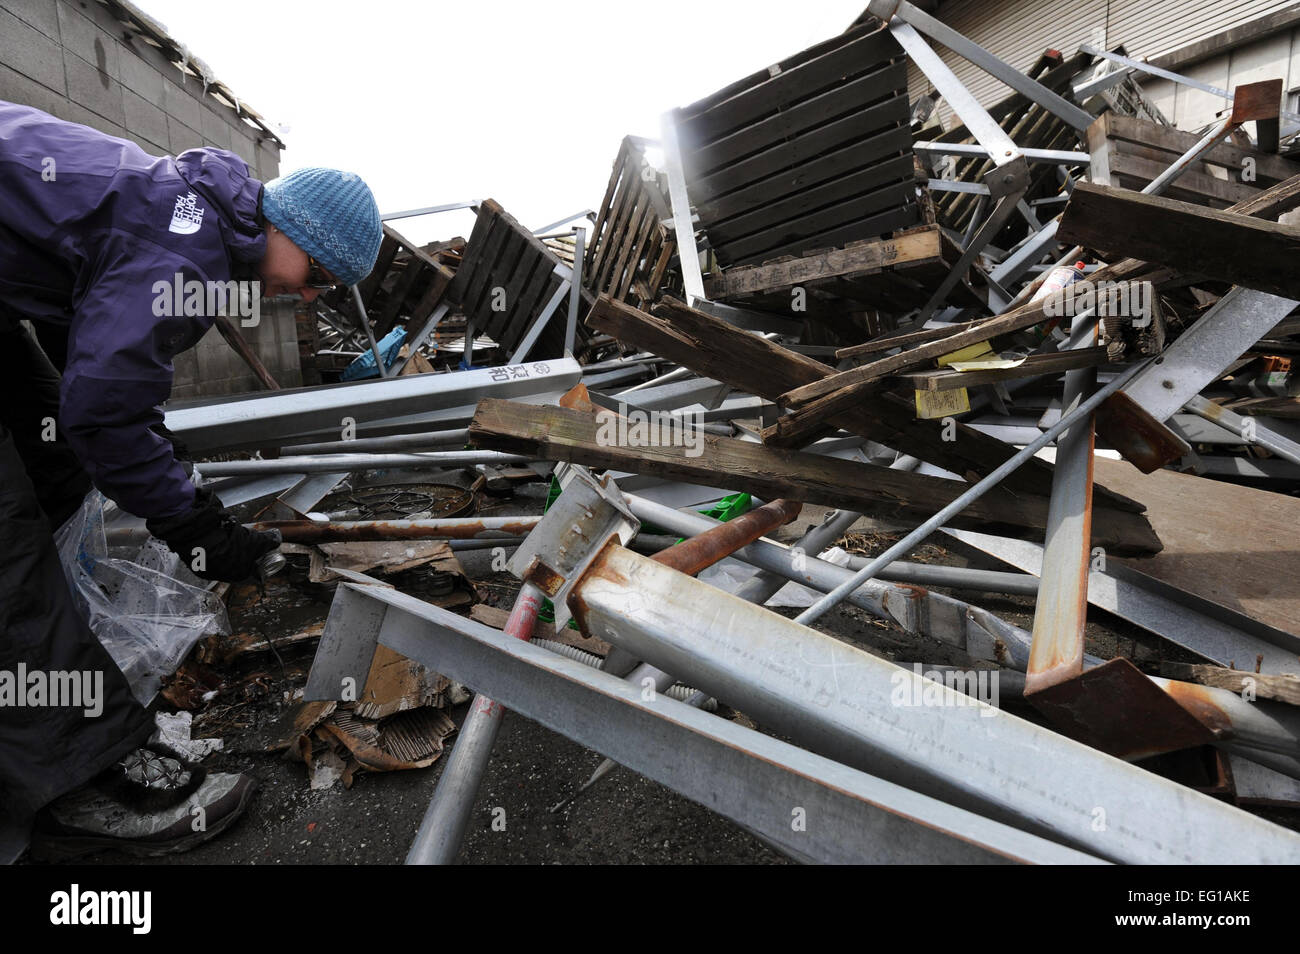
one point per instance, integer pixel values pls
(89, 224)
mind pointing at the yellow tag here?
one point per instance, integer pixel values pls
(932, 404)
(966, 354)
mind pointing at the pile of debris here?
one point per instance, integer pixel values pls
(821, 301)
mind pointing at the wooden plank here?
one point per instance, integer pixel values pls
(946, 379)
(627, 238)
(607, 241)
(857, 129)
(1145, 170)
(602, 214)
(542, 282)
(876, 88)
(1223, 245)
(558, 433)
(666, 253)
(639, 256)
(1244, 682)
(517, 300)
(914, 246)
(503, 276)
(1230, 544)
(712, 348)
(904, 340)
(838, 225)
(471, 258)
(485, 272)
(878, 180)
(848, 59)
(1269, 167)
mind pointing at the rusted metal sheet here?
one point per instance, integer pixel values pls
(1140, 439)
(1115, 708)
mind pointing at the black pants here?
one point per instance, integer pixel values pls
(48, 750)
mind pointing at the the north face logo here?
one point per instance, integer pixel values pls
(186, 216)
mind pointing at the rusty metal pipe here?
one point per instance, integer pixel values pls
(349, 531)
(701, 551)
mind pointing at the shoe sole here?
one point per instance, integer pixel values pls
(55, 848)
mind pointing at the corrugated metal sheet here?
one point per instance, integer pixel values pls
(1019, 31)
(1151, 27)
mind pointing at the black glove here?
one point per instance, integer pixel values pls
(180, 449)
(227, 550)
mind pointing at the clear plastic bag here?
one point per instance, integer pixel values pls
(141, 602)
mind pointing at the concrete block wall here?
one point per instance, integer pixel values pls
(73, 59)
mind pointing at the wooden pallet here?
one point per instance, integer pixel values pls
(507, 276)
(811, 153)
(630, 247)
(1130, 152)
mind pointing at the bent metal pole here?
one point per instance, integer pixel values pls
(1079, 412)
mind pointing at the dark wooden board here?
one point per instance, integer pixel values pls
(859, 130)
(1224, 245)
(876, 88)
(879, 180)
(848, 56)
(712, 348)
(558, 433)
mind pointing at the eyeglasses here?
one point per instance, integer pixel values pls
(317, 277)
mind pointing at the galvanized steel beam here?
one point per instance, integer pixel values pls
(759, 782)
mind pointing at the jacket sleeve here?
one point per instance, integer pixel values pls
(120, 347)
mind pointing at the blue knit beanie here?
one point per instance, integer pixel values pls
(330, 215)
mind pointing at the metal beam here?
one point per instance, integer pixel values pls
(1204, 351)
(260, 420)
(968, 50)
(1169, 75)
(992, 137)
(1185, 619)
(430, 210)
(759, 782)
(1057, 156)
(860, 710)
(1251, 430)
(687, 253)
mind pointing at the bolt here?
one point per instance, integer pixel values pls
(1168, 383)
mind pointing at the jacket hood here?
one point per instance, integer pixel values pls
(224, 180)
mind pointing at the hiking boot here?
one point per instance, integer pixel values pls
(150, 803)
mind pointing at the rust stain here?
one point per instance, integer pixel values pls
(1200, 702)
(705, 549)
(544, 578)
(1142, 440)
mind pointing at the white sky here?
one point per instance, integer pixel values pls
(523, 102)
